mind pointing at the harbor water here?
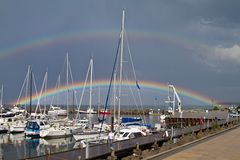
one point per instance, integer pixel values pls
(17, 146)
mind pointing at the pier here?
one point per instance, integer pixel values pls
(222, 145)
(143, 147)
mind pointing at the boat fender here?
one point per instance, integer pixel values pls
(166, 134)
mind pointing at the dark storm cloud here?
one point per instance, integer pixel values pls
(196, 43)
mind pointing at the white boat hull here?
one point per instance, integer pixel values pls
(57, 113)
(3, 129)
(17, 128)
(90, 135)
(59, 132)
(31, 133)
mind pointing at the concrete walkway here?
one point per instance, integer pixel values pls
(226, 146)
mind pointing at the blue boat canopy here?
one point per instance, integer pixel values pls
(131, 119)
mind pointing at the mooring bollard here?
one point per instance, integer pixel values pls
(112, 156)
(112, 152)
(137, 146)
(47, 152)
(172, 133)
(137, 152)
(155, 145)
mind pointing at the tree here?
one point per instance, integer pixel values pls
(215, 108)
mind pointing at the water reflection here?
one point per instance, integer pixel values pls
(55, 145)
(17, 146)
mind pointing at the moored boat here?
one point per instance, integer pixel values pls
(3, 128)
(33, 127)
(106, 112)
(57, 111)
(58, 131)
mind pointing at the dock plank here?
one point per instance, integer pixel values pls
(222, 147)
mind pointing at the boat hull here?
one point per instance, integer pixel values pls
(17, 129)
(33, 134)
(88, 135)
(59, 132)
(3, 130)
(106, 113)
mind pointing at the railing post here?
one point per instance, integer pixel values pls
(137, 152)
(87, 149)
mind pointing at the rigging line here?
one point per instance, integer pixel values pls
(45, 97)
(56, 87)
(134, 99)
(130, 55)
(63, 67)
(40, 96)
(134, 73)
(27, 83)
(22, 88)
(34, 83)
(141, 109)
(72, 88)
(110, 84)
(83, 90)
(141, 104)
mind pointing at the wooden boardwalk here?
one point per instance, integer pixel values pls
(221, 147)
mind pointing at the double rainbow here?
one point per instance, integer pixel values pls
(143, 84)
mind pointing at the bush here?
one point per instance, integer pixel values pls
(215, 108)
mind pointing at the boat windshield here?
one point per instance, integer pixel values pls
(125, 134)
(32, 125)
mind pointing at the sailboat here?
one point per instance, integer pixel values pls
(127, 125)
(89, 132)
(66, 129)
(36, 122)
(3, 126)
(13, 124)
(56, 110)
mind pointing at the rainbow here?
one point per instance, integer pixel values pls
(50, 40)
(104, 83)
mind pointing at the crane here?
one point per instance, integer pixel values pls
(172, 100)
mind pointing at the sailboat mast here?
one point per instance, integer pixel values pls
(98, 110)
(1, 104)
(30, 90)
(1, 96)
(67, 84)
(114, 96)
(90, 96)
(58, 85)
(121, 67)
(27, 87)
(45, 90)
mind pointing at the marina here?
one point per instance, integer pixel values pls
(116, 80)
(17, 146)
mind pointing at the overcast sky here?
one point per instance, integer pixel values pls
(190, 43)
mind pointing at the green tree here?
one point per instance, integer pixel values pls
(215, 108)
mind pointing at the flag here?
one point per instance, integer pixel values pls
(137, 85)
